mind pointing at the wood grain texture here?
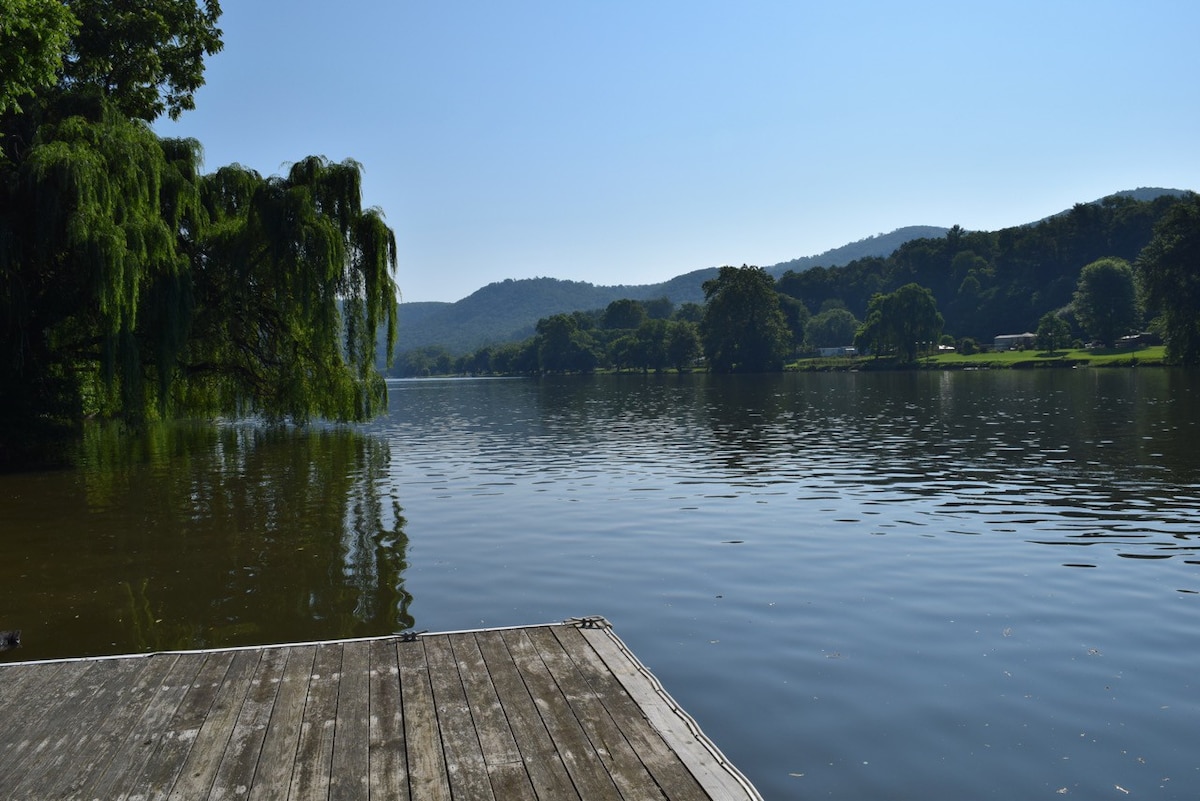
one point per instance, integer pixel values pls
(542, 713)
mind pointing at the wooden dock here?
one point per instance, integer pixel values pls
(562, 711)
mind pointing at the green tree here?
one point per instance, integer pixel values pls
(1106, 300)
(744, 329)
(904, 321)
(132, 285)
(34, 35)
(659, 308)
(145, 58)
(624, 352)
(683, 344)
(624, 314)
(652, 338)
(831, 329)
(1169, 268)
(796, 314)
(562, 347)
(1053, 332)
(689, 312)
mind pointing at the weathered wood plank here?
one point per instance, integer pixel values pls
(352, 732)
(314, 752)
(50, 766)
(146, 734)
(505, 767)
(460, 740)
(546, 713)
(278, 755)
(665, 717)
(199, 771)
(389, 765)
(577, 752)
(547, 773)
(163, 766)
(427, 778)
(655, 753)
(93, 757)
(622, 762)
(38, 709)
(239, 763)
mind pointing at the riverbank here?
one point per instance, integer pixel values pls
(1153, 356)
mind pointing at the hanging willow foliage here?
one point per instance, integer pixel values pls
(132, 285)
(304, 280)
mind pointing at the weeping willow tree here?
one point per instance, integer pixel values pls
(294, 279)
(134, 286)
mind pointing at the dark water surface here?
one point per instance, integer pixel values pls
(922, 585)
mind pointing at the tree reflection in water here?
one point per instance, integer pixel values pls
(207, 536)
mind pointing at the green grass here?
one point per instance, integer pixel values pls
(1002, 360)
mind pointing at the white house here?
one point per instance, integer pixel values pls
(1014, 341)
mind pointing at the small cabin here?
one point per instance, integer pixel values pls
(1014, 341)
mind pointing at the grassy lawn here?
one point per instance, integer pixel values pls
(1123, 357)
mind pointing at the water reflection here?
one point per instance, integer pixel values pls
(196, 536)
(1060, 457)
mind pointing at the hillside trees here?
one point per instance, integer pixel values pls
(1106, 302)
(132, 285)
(563, 347)
(624, 313)
(1169, 268)
(987, 283)
(683, 344)
(744, 329)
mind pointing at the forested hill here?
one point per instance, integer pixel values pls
(984, 281)
(873, 246)
(507, 311)
(987, 283)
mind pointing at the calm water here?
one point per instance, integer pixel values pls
(936, 585)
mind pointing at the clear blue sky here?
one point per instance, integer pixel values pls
(629, 142)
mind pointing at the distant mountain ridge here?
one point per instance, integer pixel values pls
(507, 311)
(880, 245)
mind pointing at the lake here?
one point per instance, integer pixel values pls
(889, 585)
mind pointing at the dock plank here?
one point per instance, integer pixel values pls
(578, 754)
(352, 731)
(145, 735)
(669, 773)
(632, 778)
(388, 766)
(278, 755)
(506, 770)
(427, 770)
(668, 719)
(199, 773)
(538, 713)
(38, 702)
(164, 765)
(547, 773)
(460, 738)
(314, 751)
(48, 769)
(110, 734)
(240, 759)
